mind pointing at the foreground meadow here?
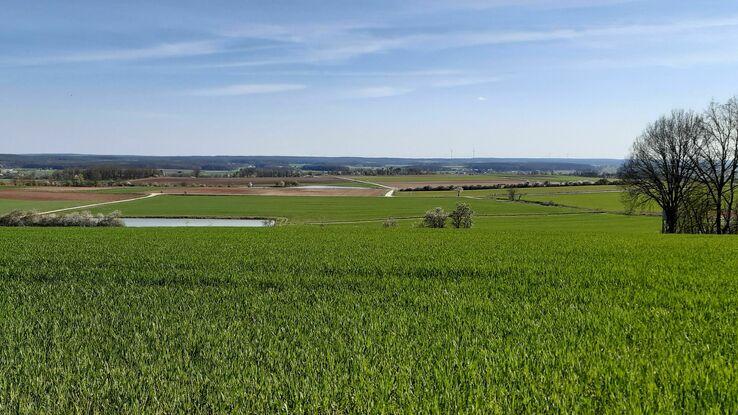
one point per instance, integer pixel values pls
(505, 317)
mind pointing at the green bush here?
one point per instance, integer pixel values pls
(462, 216)
(435, 218)
(79, 219)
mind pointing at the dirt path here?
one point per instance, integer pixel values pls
(390, 192)
(100, 204)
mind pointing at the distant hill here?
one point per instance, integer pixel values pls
(60, 161)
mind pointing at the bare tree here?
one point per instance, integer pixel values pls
(716, 160)
(660, 166)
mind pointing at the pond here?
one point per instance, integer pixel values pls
(191, 222)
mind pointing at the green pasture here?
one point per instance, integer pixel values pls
(361, 319)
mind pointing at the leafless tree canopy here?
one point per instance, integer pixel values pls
(687, 163)
(716, 161)
(659, 167)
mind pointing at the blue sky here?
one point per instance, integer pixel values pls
(501, 78)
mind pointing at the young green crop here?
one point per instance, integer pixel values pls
(362, 319)
(301, 209)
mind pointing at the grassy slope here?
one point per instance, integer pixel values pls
(364, 319)
(312, 209)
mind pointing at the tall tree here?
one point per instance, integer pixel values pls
(660, 166)
(716, 160)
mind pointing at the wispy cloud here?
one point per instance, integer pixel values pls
(316, 44)
(160, 51)
(246, 89)
(342, 41)
(379, 92)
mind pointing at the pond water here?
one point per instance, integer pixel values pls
(178, 222)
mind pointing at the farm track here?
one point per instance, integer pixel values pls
(391, 190)
(150, 195)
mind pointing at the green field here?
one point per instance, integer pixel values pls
(7, 205)
(357, 318)
(600, 198)
(503, 192)
(535, 309)
(299, 209)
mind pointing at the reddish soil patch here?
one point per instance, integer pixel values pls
(59, 189)
(233, 181)
(273, 191)
(414, 184)
(24, 194)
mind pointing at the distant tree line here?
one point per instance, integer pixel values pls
(393, 171)
(686, 163)
(524, 185)
(268, 172)
(103, 173)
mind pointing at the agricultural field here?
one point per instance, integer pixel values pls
(314, 209)
(535, 309)
(482, 193)
(357, 318)
(605, 198)
(8, 205)
(412, 181)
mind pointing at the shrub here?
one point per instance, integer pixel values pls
(82, 219)
(462, 216)
(435, 218)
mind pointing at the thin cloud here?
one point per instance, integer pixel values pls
(338, 42)
(345, 41)
(160, 51)
(246, 89)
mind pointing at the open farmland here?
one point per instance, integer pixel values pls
(8, 205)
(363, 319)
(44, 199)
(238, 181)
(413, 181)
(606, 198)
(313, 209)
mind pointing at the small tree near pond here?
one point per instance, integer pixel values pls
(462, 216)
(435, 218)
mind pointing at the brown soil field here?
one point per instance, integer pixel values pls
(234, 181)
(413, 184)
(27, 194)
(273, 191)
